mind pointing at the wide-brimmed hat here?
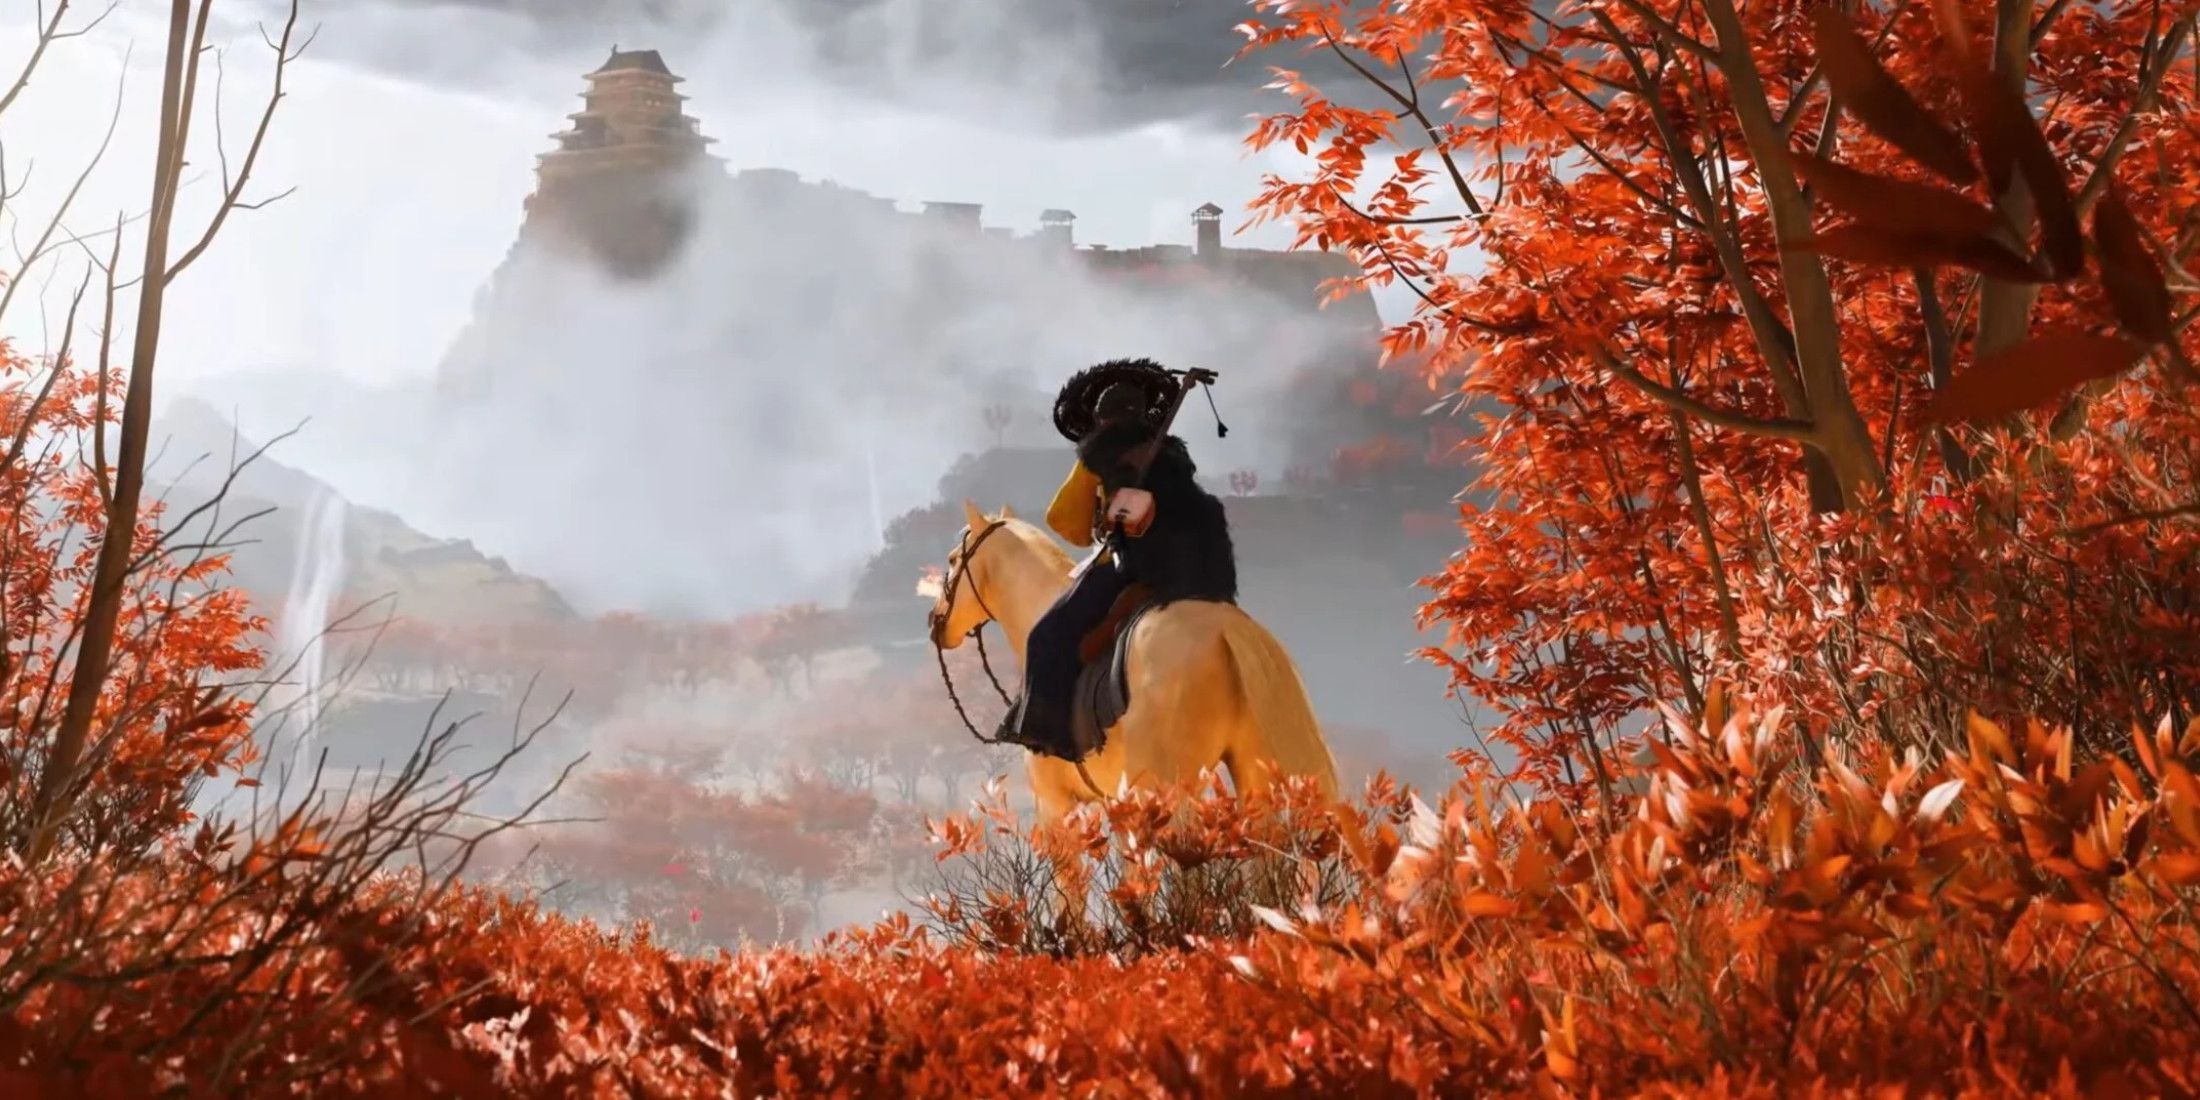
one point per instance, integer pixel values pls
(1076, 407)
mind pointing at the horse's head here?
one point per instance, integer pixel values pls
(958, 607)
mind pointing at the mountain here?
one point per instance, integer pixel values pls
(377, 553)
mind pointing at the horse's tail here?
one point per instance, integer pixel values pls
(1281, 718)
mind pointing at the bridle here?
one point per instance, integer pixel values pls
(961, 567)
(937, 618)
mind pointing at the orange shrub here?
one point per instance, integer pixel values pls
(2012, 918)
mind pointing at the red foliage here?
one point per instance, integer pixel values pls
(162, 723)
(1745, 925)
(679, 848)
(1360, 463)
(1700, 454)
(2008, 920)
(601, 661)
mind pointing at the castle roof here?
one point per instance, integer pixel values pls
(648, 61)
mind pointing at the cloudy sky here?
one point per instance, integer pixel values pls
(410, 128)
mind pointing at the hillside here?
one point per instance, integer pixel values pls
(439, 580)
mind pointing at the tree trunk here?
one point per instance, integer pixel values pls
(111, 572)
(1842, 437)
(2004, 308)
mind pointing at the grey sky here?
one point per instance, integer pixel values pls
(1078, 65)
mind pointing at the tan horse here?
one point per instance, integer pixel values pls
(1209, 686)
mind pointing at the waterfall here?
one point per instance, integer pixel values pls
(315, 579)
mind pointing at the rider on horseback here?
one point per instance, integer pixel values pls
(1176, 545)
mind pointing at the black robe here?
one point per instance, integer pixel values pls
(1186, 553)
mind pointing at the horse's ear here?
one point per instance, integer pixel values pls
(975, 518)
(1007, 512)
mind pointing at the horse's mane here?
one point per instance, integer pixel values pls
(1040, 540)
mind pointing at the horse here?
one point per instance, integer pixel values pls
(1209, 686)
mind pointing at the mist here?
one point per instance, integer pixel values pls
(699, 443)
(732, 433)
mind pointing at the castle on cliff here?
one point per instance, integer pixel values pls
(612, 187)
(622, 190)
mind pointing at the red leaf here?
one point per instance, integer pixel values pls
(1893, 204)
(1881, 103)
(1481, 903)
(2030, 374)
(2083, 912)
(2009, 137)
(1866, 244)
(1954, 28)
(2129, 274)
(430, 1059)
(2178, 868)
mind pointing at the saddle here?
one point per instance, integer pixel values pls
(1103, 693)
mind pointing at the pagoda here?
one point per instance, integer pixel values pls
(614, 186)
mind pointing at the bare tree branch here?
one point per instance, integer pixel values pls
(233, 190)
(53, 223)
(49, 33)
(1775, 342)
(59, 367)
(2046, 19)
(1669, 31)
(1940, 354)
(2151, 516)
(102, 475)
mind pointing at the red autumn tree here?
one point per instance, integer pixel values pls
(667, 842)
(794, 638)
(1727, 256)
(900, 728)
(599, 661)
(931, 742)
(163, 720)
(407, 656)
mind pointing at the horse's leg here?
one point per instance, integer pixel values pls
(1251, 774)
(1050, 802)
(1252, 770)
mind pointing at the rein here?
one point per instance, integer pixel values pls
(939, 652)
